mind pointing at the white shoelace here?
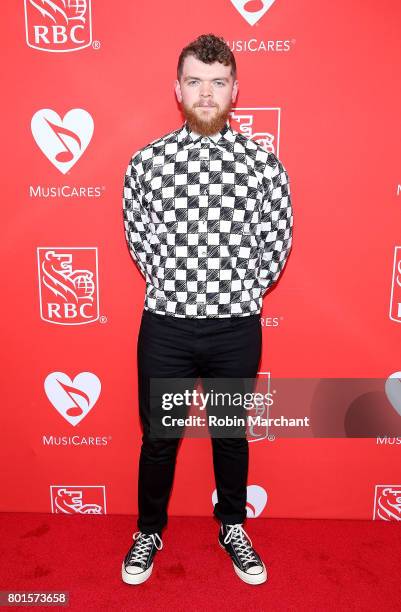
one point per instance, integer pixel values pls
(144, 543)
(243, 545)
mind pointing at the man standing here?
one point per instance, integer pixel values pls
(208, 220)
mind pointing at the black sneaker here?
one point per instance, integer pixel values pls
(138, 563)
(247, 563)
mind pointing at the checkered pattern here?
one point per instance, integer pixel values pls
(208, 221)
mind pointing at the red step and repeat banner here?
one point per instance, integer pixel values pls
(85, 85)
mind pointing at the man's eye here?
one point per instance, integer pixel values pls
(219, 83)
(192, 82)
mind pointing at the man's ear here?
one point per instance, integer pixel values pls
(177, 88)
(235, 91)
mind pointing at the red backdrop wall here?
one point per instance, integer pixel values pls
(319, 85)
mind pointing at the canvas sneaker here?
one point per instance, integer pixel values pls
(138, 563)
(246, 561)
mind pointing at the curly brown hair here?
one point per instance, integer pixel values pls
(208, 48)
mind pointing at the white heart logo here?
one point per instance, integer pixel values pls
(63, 141)
(256, 499)
(73, 399)
(393, 391)
(252, 10)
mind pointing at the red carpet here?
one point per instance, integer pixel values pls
(312, 564)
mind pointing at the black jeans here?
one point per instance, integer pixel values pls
(174, 347)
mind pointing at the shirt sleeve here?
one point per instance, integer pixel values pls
(276, 222)
(136, 219)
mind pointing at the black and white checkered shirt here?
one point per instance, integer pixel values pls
(208, 221)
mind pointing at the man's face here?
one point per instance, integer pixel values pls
(206, 93)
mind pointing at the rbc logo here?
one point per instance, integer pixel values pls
(86, 499)
(261, 124)
(387, 504)
(58, 25)
(68, 285)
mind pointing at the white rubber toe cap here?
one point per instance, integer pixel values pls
(132, 576)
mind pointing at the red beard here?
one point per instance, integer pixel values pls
(206, 126)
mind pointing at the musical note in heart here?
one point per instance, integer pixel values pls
(83, 392)
(75, 409)
(63, 156)
(73, 133)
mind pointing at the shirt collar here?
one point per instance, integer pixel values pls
(225, 138)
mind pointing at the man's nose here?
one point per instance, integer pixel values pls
(206, 90)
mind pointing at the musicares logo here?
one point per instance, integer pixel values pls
(393, 391)
(252, 10)
(63, 141)
(73, 399)
(58, 25)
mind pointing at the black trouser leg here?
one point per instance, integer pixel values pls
(235, 354)
(230, 462)
(156, 475)
(162, 353)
